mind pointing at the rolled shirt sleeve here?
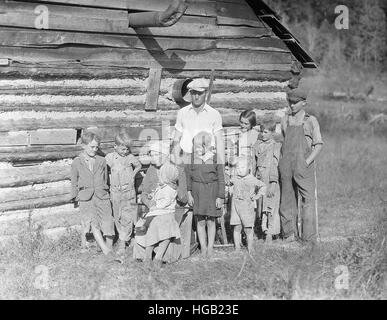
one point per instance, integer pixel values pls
(217, 122)
(315, 131)
(179, 122)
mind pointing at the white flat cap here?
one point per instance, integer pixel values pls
(198, 85)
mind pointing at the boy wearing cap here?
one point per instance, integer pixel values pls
(302, 144)
(195, 118)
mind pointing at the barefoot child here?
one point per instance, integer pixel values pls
(246, 190)
(159, 226)
(89, 187)
(206, 189)
(266, 153)
(123, 168)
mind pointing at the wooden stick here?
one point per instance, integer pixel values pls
(223, 228)
(316, 200)
(210, 86)
(299, 217)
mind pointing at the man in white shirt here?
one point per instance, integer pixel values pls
(195, 118)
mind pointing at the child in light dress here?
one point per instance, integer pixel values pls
(158, 227)
(123, 167)
(246, 190)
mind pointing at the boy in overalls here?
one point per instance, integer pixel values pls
(302, 143)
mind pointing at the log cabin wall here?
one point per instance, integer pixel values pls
(88, 69)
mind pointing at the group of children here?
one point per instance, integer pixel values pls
(104, 188)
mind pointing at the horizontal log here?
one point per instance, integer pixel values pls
(34, 191)
(53, 136)
(45, 152)
(118, 98)
(143, 133)
(18, 138)
(23, 176)
(35, 203)
(80, 87)
(57, 72)
(172, 59)
(71, 103)
(18, 37)
(123, 87)
(21, 14)
(245, 102)
(11, 121)
(73, 91)
(201, 8)
(50, 153)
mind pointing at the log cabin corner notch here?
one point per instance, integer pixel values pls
(89, 69)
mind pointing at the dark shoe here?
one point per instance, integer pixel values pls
(121, 248)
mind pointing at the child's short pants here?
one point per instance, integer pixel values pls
(242, 213)
(124, 213)
(98, 213)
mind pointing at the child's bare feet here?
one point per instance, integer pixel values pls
(121, 247)
(106, 251)
(147, 264)
(157, 264)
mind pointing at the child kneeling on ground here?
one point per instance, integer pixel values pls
(89, 187)
(246, 190)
